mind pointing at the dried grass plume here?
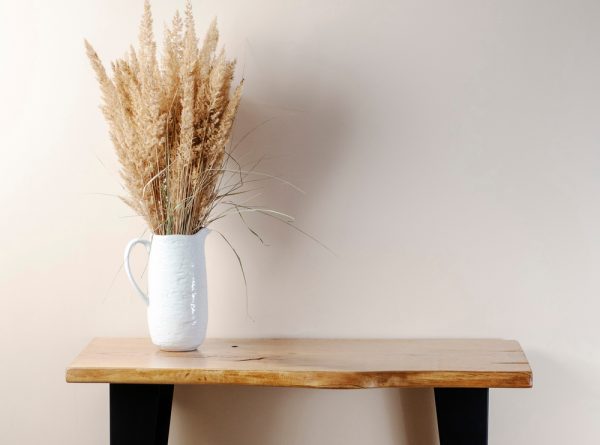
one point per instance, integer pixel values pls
(170, 123)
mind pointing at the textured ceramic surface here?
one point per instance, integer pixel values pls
(177, 297)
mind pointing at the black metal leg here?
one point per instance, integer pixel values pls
(140, 414)
(462, 415)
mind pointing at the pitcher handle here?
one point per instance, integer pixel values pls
(132, 243)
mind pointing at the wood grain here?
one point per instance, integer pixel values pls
(310, 363)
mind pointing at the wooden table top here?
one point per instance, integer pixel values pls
(310, 363)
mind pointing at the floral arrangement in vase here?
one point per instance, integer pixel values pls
(170, 123)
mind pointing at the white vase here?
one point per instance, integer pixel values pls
(177, 297)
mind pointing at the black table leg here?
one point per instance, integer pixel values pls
(140, 414)
(462, 415)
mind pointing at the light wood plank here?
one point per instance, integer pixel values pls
(311, 363)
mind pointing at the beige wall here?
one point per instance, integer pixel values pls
(450, 152)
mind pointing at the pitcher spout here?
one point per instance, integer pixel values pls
(202, 234)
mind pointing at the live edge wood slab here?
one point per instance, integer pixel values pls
(142, 378)
(308, 363)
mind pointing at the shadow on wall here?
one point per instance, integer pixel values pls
(294, 120)
(222, 415)
(297, 122)
(417, 407)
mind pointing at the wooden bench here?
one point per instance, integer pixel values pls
(141, 377)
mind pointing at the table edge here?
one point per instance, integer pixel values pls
(302, 379)
(334, 379)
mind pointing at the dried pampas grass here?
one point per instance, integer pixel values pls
(170, 123)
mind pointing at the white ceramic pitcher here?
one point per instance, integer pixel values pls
(177, 298)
